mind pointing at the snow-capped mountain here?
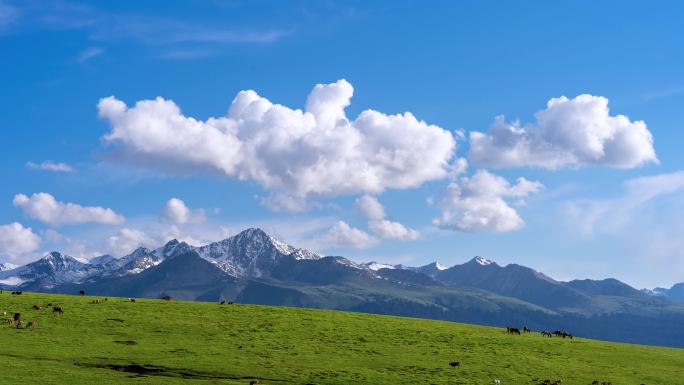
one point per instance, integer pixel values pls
(675, 293)
(251, 253)
(7, 266)
(53, 269)
(430, 269)
(375, 266)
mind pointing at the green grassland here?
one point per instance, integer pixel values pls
(206, 343)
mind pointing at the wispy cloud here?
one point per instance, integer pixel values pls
(49, 165)
(105, 26)
(8, 15)
(88, 54)
(614, 214)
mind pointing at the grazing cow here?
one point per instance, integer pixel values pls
(58, 309)
(131, 300)
(230, 302)
(17, 292)
(454, 364)
(37, 307)
(17, 316)
(166, 298)
(546, 334)
(254, 382)
(31, 325)
(497, 382)
(222, 303)
(9, 321)
(20, 324)
(595, 382)
(81, 293)
(512, 330)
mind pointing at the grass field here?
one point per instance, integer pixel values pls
(205, 343)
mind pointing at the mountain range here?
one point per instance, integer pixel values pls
(255, 267)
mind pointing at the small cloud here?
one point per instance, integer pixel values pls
(373, 210)
(49, 165)
(17, 240)
(177, 212)
(88, 54)
(479, 203)
(45, 208)
(341, 234)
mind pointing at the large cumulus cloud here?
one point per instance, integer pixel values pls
(315, 152)
(569, 132)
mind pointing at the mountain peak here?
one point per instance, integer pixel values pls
(482, 261)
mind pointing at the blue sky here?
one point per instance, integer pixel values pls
(598, 198)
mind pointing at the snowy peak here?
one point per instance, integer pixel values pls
(56, 261)
(482, 261)
(172, 248)
(251, 253)
(375, 266)
(4, 266)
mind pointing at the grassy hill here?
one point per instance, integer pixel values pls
(197, 343)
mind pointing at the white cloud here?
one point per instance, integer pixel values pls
(478, 203)
(569, 132)
(177, 212)
(317, 152)
(45, 208)
(88, 54)
(392, 230)
(341, 234)
(16, 240)
(49, 165)
(372, 210)
(613, 214)
(127, 240)
(284, 203)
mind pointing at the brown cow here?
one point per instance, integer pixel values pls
(20, 324)
(31, 325)
(37, 307)
(254, 382)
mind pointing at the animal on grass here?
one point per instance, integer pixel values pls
(512, 330)
(37, 307)
(17, 316)
(254, 382)
(497, 382)
(166, 297)
(58, 310)
(20, 324)
(81, 293)
(454, 364)
(31, 325)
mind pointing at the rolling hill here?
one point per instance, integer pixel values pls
(151, 341)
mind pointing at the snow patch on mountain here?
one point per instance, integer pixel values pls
(483, 261)
(375, 266)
